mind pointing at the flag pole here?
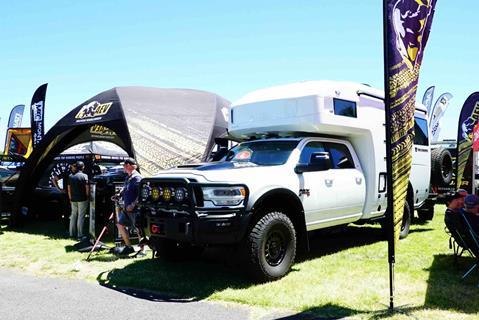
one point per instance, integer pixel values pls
(390, 209)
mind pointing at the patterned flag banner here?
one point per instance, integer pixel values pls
(16, 116)
(427, 98)
(436, 114)
(37, 114)
(407, 27)
(475, 138)
(467, 120)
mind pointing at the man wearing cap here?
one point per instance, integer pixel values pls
(78, 191)
(127, 216)
(455, 202)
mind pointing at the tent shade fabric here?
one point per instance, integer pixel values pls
(97, 148)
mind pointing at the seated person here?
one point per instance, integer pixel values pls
(455, 201)
(471, 211)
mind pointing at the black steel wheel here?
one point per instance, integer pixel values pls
(271, 247)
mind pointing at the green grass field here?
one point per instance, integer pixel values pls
(344, 275)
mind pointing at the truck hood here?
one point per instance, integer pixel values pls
(229, 172)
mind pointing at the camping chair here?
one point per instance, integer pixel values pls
(457, 233)
(472, 241)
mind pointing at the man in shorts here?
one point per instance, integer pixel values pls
(128, 214)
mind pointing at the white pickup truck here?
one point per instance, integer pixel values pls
(312, 156)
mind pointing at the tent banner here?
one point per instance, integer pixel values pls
(437, 112)
(16, 116)
(407, 26)
(37, 114)
(468, 118)
(427, 98)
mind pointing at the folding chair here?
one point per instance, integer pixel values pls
(457, 232)
(472, 241)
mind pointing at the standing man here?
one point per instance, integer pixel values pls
(127, 215)
(78, 192)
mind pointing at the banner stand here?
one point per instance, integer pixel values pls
(91, 228)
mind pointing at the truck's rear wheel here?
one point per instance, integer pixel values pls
(406, 221)
(426, 213)
(271, 247)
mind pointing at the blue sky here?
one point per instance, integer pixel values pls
(228, 47)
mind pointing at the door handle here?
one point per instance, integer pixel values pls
(328, 182)
(359, 180)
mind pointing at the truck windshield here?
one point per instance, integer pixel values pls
(265, 153)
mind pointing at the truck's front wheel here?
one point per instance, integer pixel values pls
(271, 247)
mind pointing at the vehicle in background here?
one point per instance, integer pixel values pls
(49, 202)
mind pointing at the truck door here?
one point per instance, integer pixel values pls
(348, 182)
(334, 196)
(421, 161)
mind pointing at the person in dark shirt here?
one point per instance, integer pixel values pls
(127, 215)
(78, 193)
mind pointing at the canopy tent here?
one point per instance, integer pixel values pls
(161, 128)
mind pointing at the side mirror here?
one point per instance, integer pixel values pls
(218, 155)
(319, 161)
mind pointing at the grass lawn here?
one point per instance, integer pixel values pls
(345, 274)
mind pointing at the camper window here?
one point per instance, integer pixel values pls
(345, 108)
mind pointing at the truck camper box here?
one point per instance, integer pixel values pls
(314, 107)
(327, 108)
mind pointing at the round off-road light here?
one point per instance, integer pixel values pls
(145, 192)
(180, 194)
(155, 194)
(167, 194)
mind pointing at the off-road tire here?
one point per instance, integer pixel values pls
(441, 167)
(271, 247)
(425, 214)
(405, 224)
(406, 221)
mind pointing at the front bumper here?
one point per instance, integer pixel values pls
(193, 223)
(200, 228)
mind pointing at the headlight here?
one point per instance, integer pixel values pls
(224, 196)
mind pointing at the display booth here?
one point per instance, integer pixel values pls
(161, 128)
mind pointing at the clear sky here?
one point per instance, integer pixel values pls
(228, 47)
